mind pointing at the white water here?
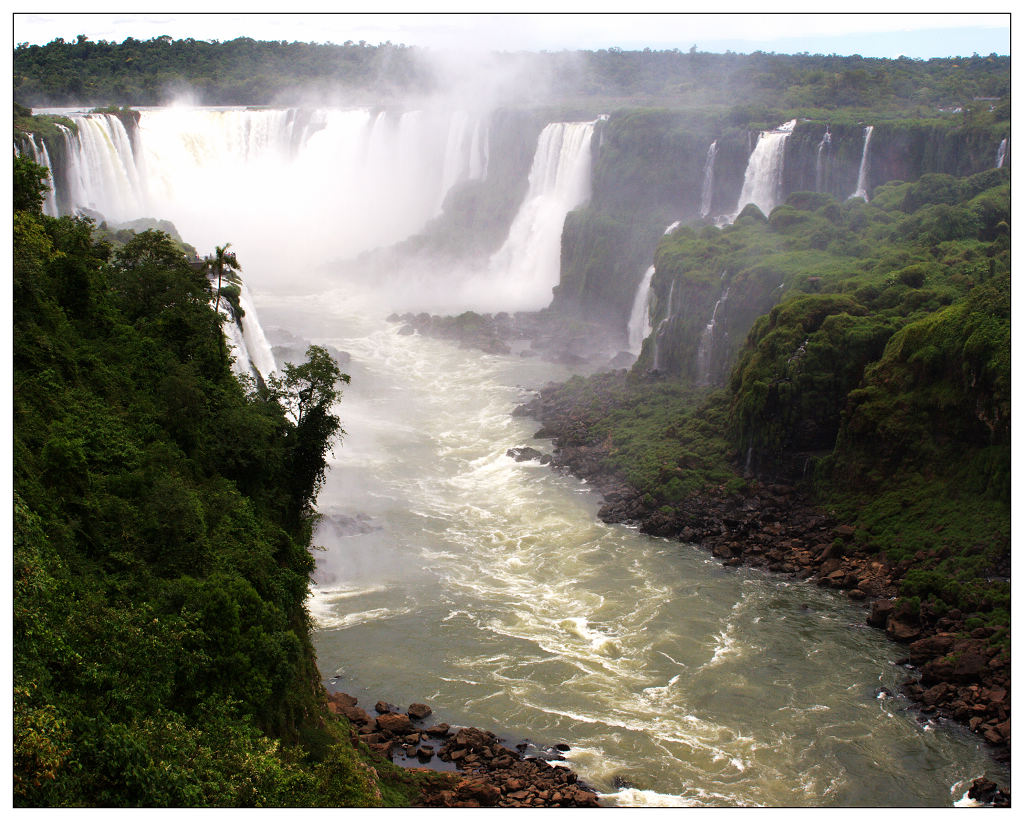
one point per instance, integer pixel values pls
(1001, 153)
(640, 316)
(489, 589)
(661, 328)
(707, 190)
(762, 181)
(523, 271)
(706, 347)
(819, 165)
(862, 173)
(42, 157)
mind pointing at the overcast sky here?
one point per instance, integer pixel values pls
(870, 35)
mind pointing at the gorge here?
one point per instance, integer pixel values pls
(488, 587)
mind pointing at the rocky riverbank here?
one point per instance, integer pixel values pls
(955, 671)
(481, 770)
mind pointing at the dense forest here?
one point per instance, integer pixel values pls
(162, 521)
(247, 72)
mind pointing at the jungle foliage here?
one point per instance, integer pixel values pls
(249, 72)
(864, 352)
(162, 520)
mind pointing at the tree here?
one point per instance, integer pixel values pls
(226, 267)
(30, 185)
(308, 392)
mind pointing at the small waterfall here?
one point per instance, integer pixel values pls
(1001, 153)
(708, 186)
(41, 156)
(862, 175)
(707, 342)
(824, 149)
(762, 182)
(671, 228)
(527, 266)
(246, 340)
(640, 317)
(661, 328)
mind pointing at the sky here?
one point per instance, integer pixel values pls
(867, 34)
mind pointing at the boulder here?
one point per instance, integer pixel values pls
(419, 711)
(394, 723)
(386, 707)
(880, 611)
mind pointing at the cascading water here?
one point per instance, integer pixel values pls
(41, 156)
(288, 192)
(862, 174)
(523, 271)
(822, 157)
(1001, 153)
(707, 190)
(706, 347)
(672, 227)
(762, 181)
(640, 316)
(661, 329)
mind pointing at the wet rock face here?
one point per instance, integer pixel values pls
(489, 774)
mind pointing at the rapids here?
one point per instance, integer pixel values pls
(489, 589)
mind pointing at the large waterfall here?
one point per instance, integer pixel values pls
(762, 182)
(288, 191)
(862, 174)
(295, 190)
(525, 269)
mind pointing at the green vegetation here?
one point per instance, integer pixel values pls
(162, 521)
(864, 348)
(247, 72)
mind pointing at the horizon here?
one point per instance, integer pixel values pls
(873, 36)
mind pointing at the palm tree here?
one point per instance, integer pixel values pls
(225, 265)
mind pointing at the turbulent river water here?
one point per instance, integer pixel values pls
(489, 589)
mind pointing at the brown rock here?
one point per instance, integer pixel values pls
(419, 711)
(880, 611)
(440, 730)
(395, 723)
(385, 707)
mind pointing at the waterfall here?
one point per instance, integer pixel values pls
(661, 328)
(862, 174)
(526, 267)
(824, 147)
(41, 157)
(671, 228)
(762, 181)
(246, 340)
(640, 317)
(1001, 153)
(708, 186)
(707, 342)
(289, 191)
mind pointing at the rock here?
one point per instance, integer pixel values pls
(440, 730)
(419, 711)
(394, 723)
(527, 454)
(386, 707)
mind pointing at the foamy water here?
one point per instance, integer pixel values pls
(489, 589)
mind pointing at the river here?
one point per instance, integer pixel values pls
(451, 574)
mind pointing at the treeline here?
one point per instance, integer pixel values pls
(162, 520)
(249, 72)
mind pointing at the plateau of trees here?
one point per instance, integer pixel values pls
(249, 72)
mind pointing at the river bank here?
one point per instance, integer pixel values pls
(477, 768)
(953, 672)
